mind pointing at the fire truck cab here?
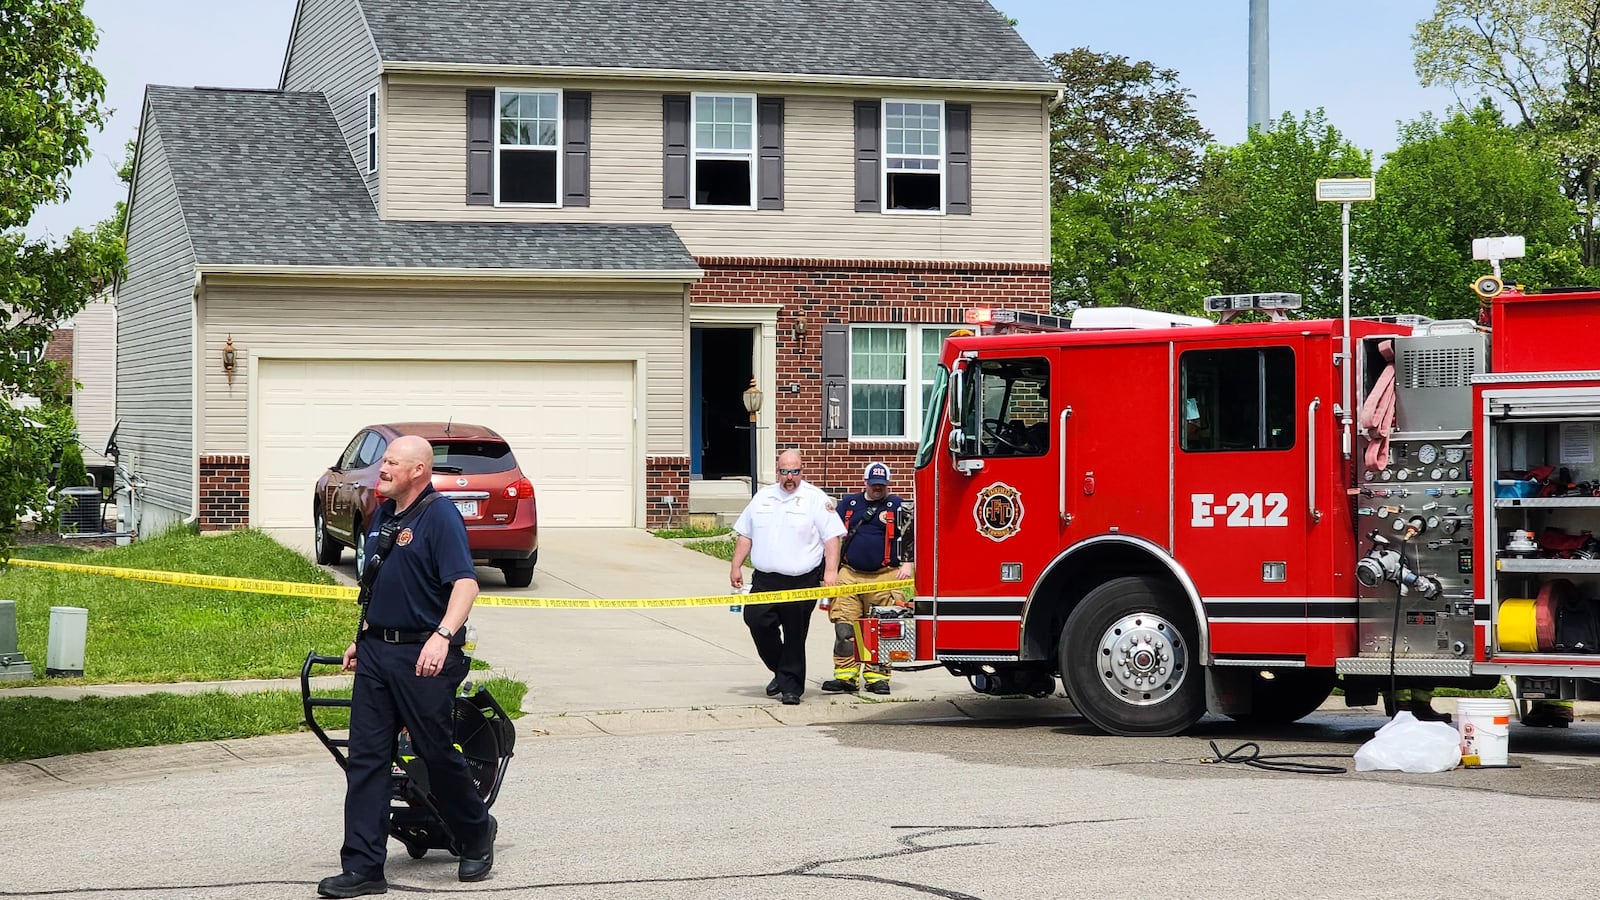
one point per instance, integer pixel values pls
(1176, 516)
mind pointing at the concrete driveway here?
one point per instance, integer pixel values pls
(578, 661)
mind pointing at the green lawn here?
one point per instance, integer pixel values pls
(721, 549)
(36, 728)
(141, 632)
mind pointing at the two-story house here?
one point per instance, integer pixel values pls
(587, 224)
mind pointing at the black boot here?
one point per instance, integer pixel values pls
(1425, 712)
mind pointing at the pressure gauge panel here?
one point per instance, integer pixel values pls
(1427, 453)
(1454, 455)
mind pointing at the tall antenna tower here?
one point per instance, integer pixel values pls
(1259, 110)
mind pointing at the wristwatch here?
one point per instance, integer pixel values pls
(441, 630)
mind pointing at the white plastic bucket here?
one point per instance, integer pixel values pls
(1485, 726)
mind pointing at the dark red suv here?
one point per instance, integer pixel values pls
(472, 466)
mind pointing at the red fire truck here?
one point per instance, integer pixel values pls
(1176, 515)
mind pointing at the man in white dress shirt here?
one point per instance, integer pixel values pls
(791, 536)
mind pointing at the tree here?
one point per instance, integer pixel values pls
(1124, 151)
(1274, 235)
(1445, 184)
(1542, 59)
(50, 97)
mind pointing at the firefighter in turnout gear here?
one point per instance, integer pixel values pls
(876, 547)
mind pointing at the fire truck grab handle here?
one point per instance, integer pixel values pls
(1066, 517)
(1311, 460)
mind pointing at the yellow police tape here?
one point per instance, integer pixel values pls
(340, 592)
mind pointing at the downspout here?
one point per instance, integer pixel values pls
(195, 373)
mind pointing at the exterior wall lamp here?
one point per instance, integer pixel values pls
(230, 358)
(799, 333)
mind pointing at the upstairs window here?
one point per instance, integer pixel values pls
(913, 156)
(1238, 399)
(722, 169)
(372, 130)
(528, 147)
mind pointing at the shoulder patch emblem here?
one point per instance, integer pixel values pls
(404, 538)
(998, 511)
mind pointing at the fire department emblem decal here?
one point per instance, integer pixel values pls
(998, 511)
(404, 538)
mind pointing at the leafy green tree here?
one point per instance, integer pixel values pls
(50, 98)
(1124, 151)
(1273, 234)
(1446, 183)
(1541, 58)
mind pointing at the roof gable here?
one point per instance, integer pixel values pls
(946, 40)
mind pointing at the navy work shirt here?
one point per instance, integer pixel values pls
(874, 532)
(430, 554)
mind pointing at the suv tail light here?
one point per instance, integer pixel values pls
(520, 489)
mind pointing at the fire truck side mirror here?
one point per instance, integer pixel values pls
(958, 374)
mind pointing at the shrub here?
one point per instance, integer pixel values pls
(72, 472)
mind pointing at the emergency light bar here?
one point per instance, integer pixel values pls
(1011, 320)
(1226, 302)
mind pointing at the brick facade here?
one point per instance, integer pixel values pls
(59, 350)
(855, 291)
(666, 476)
(224, 493)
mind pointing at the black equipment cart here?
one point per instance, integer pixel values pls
(483, 732)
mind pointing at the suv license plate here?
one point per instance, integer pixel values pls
(469, 508)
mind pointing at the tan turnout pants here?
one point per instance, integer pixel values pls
(849, 609)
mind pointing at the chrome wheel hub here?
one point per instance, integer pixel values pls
(1142, 659)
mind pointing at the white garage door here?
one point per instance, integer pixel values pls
(569, 424)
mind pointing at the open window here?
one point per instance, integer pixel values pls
(723, 167)
(528, 147)
(913, 156)
(1238, 399)
(1006, 410)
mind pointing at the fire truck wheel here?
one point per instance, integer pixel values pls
(1289, 696)
(1128, 659)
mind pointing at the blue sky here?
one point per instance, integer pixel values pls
(1356, 64)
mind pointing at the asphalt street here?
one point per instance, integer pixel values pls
(989, 807)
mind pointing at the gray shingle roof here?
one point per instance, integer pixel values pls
(900, 39)
(266, 178)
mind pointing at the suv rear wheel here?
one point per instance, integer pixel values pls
(518, 572)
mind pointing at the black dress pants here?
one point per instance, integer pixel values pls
(779, 629)
(389, 694)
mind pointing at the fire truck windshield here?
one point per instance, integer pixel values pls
(932, 411)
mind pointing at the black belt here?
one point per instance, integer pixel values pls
(396, 636)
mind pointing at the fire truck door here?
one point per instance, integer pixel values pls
(997, 486)
(1241, 492)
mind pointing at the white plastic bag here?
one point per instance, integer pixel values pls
(1411, 746)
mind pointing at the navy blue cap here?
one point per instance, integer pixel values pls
(877, 473)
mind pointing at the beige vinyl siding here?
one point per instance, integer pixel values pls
(332, 52)
(335, 321)
(94, 369)
(155, 335)
(425, 178)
